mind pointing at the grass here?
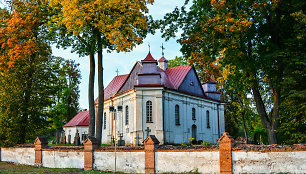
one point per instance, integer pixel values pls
(25, 169)
(22, 169)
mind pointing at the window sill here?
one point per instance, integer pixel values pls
(149, 122)
(194, 119)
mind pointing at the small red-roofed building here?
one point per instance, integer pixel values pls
(77, 123)
(170, 103)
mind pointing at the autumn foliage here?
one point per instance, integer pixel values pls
(259, 43)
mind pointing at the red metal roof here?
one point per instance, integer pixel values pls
(172, 78)
(163, 59)
(81, 119)
(113, 87)
(149, 57)
(177, 74)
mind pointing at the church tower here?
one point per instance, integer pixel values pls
(149, 74)
(163, 63)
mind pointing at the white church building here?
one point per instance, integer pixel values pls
(170, 103)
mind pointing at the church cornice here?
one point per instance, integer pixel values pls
(183, 94)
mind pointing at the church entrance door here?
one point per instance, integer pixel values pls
(194, 132)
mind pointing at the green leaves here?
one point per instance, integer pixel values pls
(32, 82)
(249, 46)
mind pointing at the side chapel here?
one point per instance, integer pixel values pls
(170, 103)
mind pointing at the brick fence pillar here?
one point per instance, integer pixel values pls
(150, 144)
(90, 144)
(225, 153)
(40, 142)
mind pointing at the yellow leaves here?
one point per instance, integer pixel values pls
(121, 21)
(230, 20)
(18, 35)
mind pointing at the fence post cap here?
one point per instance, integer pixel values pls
(41, 141)
(226, 138)
(151, 140)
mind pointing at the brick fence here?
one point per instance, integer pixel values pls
(152, 158)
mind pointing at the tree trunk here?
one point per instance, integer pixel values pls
(243, 120)
(91, 100)
(274, 117)
(27, 99)
(101, 91)
(268, 123)
(57, 136)
(245, 129)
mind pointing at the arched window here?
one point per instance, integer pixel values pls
(193, 114)
(149, 111)
(115, 114)
(126, 115)
(104, 124)
(177, 115)
(207, 119)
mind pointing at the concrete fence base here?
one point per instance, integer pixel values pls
(152, 158)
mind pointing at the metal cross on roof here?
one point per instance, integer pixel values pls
(162, 47)
(149, 47)
(117, 71)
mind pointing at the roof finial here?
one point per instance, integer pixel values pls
(117, 71)
(162, 47)
(149, 46)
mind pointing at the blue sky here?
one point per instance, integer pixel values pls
(125, 61)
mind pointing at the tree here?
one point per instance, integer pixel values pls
(110, 25)
(250, 35)
(177, 61)
(65, 99)
(22, 45)
(30, 77)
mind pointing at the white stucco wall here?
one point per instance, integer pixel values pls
(63, 159)
(18, 155)
(126, 99)
(178, 133)
(72, 130)
(203, 162)
(129, 162)
(269, 162)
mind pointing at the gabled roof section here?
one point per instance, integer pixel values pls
(81, 119)
(149, 57)
(151, 140)
(131, 79)
(177, 74)
(113, 87)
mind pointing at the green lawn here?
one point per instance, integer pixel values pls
(16, 169)
(22, 169)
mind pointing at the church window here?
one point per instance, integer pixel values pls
(207, 119)
(177, 115)
(115, 114)
(104, 123)
(149, 111)
(126, 115)
(193, 114)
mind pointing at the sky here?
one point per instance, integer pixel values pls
(125, 61)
